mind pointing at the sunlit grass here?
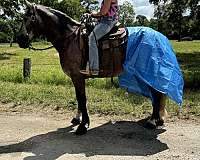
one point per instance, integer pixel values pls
(48, 85)
(186, 46)
(188, 54)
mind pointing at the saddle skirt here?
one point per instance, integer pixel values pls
(113, 39)
(111, 48)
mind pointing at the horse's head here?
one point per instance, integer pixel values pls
(40, 20)
(31, 25)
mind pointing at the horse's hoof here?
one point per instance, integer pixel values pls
(82, 129)
(150, 124)
(160, 123)
(75, 121)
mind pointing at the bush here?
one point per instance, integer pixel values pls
(4, 37)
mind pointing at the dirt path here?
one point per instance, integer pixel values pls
(41, 137)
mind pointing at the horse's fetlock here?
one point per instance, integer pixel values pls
(82, 129)
(163, 114)
(160, 122)
(76, 121)
(150, 124)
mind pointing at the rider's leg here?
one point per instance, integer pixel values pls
(99, 31)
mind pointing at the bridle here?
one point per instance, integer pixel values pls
(33, 19)
(39, 49)
(50, 47)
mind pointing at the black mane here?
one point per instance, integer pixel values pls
(59, 17)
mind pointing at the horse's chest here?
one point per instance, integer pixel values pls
(70, 61)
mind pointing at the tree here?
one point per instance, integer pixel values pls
(11, 11)
(71, 7)
(126, 14)
(194, 6)
(159, 11)
(9, 8)
(141, 20)
(90, 5)
(176, 14)
(153, 23)
(5, 31)
(171, 17)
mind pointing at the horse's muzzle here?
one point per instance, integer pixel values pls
(23, 41)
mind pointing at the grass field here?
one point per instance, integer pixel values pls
(48, 85)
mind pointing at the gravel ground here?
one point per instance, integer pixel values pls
(40, 134)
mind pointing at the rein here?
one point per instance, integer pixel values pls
(50, 47)
(39, 49)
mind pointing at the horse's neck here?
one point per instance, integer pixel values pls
(58, 38)
(57, 27)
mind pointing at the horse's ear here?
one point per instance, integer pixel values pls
(28, 4)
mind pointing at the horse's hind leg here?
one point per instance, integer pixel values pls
(159, 111)
(79, 84)
(162, 110)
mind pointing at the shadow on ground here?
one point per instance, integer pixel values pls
(123, 138)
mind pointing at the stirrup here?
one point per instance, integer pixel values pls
(90, 72)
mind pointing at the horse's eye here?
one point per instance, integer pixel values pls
(32, 18)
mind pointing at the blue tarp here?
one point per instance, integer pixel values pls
(150, 61)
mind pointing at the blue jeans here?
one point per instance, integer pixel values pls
(101, 29)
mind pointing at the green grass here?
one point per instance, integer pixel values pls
(188, 55)
(48, 84)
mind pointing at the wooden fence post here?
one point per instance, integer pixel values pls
(112, 81)
(27, 68)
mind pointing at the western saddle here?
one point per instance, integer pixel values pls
(111, 48)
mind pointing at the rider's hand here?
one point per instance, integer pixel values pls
(87, 15)
(85, 18)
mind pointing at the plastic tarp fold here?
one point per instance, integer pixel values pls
(150, 61)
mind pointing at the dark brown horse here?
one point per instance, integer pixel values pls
(64, 33)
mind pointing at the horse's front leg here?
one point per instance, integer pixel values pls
(79, 84)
